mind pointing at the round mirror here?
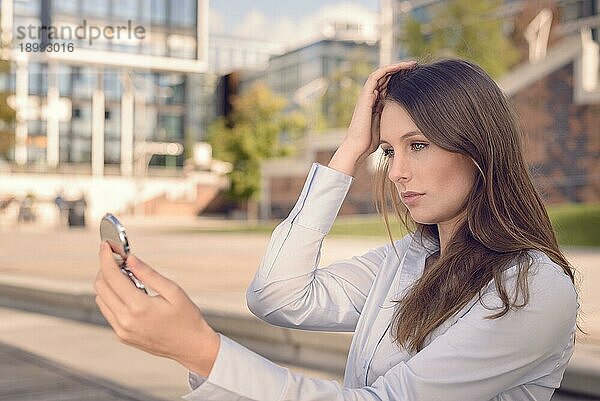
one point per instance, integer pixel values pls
(112, 231)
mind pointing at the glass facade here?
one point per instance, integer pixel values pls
(288, 72)
(79, 144)
(160, 99)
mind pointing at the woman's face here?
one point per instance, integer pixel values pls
(418, 165)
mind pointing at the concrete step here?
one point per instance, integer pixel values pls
(321, 351)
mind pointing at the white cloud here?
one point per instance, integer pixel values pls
(317, 22)
(216, 22)
(253, 24)
(287, 31)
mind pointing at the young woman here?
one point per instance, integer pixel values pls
(476, 303)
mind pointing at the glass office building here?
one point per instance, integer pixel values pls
(118, 74)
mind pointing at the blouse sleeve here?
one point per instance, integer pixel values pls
(476, 358)
(289, 289)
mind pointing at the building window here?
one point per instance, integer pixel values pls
(34, 78)
(66, 6)
(170, 88)
(112, 84)
(44, 79)
(124, 10)
(81, 150)
(159, 12)
(26, 7)
(170, 128)
(183, 13)
(82, 120)
(95, 8)
(146, 11)
(64, 80)
(112, 117)
(84, 82)
(64, 142)
(38, 79)
(34, 127)
(112, 152)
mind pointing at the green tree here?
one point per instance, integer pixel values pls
(257, 129)
(7, 114)
(345, 84)
(468, 29)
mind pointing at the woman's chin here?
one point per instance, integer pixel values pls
(421, 219)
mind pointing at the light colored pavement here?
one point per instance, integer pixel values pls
(214, 268)
(29, 377)
(93, 351)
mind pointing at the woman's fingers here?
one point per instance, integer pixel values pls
(376, 85)
(110, 317)
(159, 283)
(382, 87)
(110, 299)
(378, 79)
(376, 92)
(362, 137)
(383, 81)
(115, 279)
(385, 71)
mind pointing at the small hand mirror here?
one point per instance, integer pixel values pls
(112, 231)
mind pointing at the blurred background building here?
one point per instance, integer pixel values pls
(298, 73)
(554, 85)
(124, 121)
(80, 103)
(109, 113)
(569, 16)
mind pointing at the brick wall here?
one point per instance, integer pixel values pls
(562, 139)
(285, 191)
(284, 194)
(163, 206)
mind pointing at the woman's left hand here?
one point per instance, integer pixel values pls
(168, 324)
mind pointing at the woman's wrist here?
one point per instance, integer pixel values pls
(201, 358)
(345, 159)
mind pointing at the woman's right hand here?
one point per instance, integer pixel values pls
(362, 137)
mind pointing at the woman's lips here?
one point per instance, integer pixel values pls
(411, 199)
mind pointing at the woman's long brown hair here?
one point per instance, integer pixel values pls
(460, 108)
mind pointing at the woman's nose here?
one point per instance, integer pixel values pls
(398, 170)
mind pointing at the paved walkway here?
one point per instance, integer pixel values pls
(213, 268)
(46, 358)
(29, 377)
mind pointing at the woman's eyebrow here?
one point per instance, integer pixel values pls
(405, 136)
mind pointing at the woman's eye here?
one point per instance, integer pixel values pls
(389, 152)
(416, 146)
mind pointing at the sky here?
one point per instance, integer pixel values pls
(277, 20)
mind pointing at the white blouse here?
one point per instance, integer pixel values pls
(520, 356)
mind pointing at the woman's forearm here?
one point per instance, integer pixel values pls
(345, 160)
